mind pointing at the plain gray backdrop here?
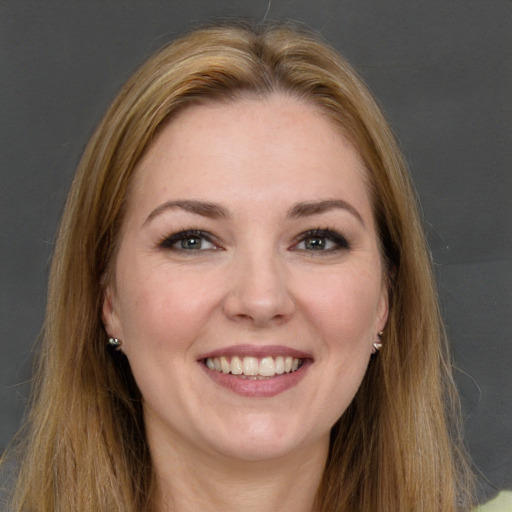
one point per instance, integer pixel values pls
(442, 69)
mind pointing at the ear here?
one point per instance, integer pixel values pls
(109, 314)
(382, 308)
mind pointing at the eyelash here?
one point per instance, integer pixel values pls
(169, 241)
(339, 241)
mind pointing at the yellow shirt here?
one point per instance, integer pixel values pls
(502, 503)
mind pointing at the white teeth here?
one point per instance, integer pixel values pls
(236, 366)
(279, 365)
(224, 365)
(267, 367)
(253, 366)
(250, 366)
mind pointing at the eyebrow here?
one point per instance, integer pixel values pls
(216, 211)
(205, 209)
(317, 207)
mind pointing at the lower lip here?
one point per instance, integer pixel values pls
(258, 388)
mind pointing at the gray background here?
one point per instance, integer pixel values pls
(442, 69)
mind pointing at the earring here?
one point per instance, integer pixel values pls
(377, 345)
(114, 342)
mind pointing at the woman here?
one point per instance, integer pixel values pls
(241, 311)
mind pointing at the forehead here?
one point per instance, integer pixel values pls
(252, 147)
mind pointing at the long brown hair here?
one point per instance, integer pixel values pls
(392, 450)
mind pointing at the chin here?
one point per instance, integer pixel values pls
(263, 440)
(258, 450)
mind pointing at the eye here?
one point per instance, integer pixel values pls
(189, 240)
(319, 240)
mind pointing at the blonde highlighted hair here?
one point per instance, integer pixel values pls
(84, 447)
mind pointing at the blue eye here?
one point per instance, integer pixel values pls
(321, 240)
(189, 240)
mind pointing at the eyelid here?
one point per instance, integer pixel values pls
(168, 241)
(332, 235)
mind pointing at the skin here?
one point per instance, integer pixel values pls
(256, 281)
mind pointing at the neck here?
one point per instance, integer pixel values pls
(193, 482)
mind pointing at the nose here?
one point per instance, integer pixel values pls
(259, 290)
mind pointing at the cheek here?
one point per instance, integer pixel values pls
(343, 305)
(162, 307)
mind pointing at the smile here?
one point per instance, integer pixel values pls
(256, 371)
(254, 367)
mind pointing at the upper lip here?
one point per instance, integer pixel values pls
(258, 351)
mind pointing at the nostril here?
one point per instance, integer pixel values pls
(258, 291)
(261, 308)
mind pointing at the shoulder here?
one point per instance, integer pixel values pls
(502, 503)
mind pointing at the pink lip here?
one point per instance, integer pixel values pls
(257, 388)
(256, 351)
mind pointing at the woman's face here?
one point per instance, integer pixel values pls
(248, 285)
